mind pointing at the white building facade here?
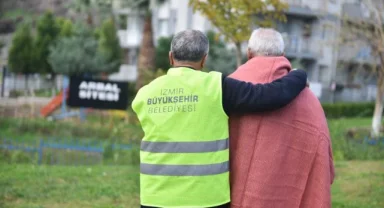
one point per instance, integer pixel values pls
(167, 19)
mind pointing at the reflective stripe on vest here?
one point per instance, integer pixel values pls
(184, 147)
(184, 170)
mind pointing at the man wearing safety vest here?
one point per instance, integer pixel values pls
(184, 157)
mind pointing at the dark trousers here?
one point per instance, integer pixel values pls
(221, 206)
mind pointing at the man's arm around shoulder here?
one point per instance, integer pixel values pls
(241, 97)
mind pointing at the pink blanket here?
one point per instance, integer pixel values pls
(280, 159)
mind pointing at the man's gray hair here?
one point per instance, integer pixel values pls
(189, 45)
(266, 42)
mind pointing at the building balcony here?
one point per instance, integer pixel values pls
(357, 54)
(129, 39)
(126, 73)
(302, 48)
(299, 8)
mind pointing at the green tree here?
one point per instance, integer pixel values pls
(21, 54)
(82, 7)
(219, 58)
(79, 54)
(66, 27)
(109, 46)
(146, 63)
(235, 18)
(86, 9)
(47, 33)
(162, 51)
(297, 64)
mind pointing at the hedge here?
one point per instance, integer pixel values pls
(348, 110)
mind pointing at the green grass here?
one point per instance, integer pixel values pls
(108, 129)
(359, 184)
(43, 93)
(338, 127)
(29, 186)
(32, 130)
(347, 150)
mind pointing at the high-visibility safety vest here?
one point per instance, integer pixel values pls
(184, 154)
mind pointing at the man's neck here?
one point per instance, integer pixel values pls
(190, 67)
(187, 65)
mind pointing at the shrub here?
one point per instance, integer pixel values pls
(348, 110)
(15, 93)
(43, 93)
(17, 157)
(355, 145)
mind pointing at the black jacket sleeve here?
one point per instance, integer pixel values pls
(242, 97)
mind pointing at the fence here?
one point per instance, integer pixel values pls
(18, 84)
(64, 152)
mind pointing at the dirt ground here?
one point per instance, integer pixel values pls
(23, 107)
(29, 107)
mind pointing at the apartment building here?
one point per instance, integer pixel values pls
(356, 61)
(170, 17)
(311, 35)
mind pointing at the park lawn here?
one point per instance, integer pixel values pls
(31, 186)
(346, 149)
(359, 184)
(338, 127)
(32, 130)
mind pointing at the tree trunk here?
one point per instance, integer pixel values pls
(239, 56)
(89, 19)
(377, 116)
(146, 62)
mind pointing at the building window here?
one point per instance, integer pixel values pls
(132, 56)
(122, 21)
(163, 27)
(327, 32)
(125, 56)
(283, 27)
(323, 72)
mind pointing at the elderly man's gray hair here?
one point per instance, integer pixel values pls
(189, 45)
(266, 42)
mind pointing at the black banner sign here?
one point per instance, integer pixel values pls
(98, 94)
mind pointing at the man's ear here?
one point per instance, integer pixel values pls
(249, 54)
(170, 57)
(204, 60)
